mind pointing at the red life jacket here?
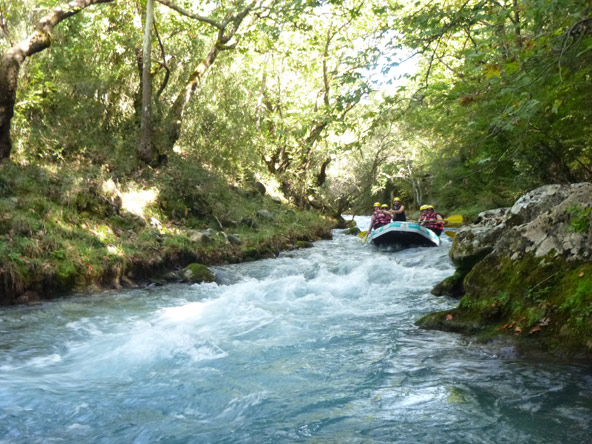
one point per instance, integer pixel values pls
(382, 219)
(433, 222)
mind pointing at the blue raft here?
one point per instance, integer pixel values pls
(404, 235)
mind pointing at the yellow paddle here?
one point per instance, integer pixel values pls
(454, 219)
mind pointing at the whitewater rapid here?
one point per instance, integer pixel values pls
(317, 345)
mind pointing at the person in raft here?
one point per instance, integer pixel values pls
(386, 215)
(380, 217)
(375, 215)
(398, 210)
(431, 220)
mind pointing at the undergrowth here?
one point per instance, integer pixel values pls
(67, 227)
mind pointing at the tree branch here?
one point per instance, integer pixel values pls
(191, 15)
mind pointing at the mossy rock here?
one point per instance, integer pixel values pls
(451, 286)
(451, 321)
(304, 244)
(197, 273)
(353, 231)
(544, 303)
(351, 223)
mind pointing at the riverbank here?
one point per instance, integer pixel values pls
(82, 228)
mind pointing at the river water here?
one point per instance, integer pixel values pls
(316, 346)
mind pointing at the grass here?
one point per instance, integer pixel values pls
(66, 228)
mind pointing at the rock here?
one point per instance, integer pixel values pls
(171, 276)
(264, 214)
(539, 222)
(451, 286)
(548, 229)
(260, 188)
(202, 237)
(354, 231)
(247, 221)
(197, 273)
(304, 244)
(233, 239)
(127, 282)
(526, 269)
(28, 297)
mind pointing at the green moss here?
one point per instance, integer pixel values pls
(66, 274)
(547, 301)
(197, 273)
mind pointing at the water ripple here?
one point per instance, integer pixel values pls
(318, 345)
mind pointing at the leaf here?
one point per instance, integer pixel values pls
(491, 71)
(511, 67)
(449, 317)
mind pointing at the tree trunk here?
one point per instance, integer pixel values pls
(175, 115)
(227, 29)
(146, 148)
(13, 58)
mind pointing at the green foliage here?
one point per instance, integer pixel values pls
(579, 219)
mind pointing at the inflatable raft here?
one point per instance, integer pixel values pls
(404, 235)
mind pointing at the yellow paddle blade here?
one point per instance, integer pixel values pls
(450, 233)
(362, 234)
(454, 219)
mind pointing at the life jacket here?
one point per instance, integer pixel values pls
(433, 223)
(382, 219)
(399, 216)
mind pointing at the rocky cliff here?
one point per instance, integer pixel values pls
(526, 271)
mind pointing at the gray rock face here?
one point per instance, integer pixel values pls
(553, 219)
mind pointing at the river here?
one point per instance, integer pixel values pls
(316, 346)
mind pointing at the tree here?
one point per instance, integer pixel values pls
(304, 101)
(145, 149)
(13, 58)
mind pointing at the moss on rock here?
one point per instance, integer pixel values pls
(544, 301)
(198, 273)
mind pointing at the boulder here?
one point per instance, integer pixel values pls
(260, 188)
(197, 273)
(526, 271)
(266, 215)
(354, 231)
(201, 237)
(233, 239)
(540, 222)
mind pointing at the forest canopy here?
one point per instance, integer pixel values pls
(315, 97)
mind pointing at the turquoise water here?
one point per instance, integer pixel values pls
(317, 346)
